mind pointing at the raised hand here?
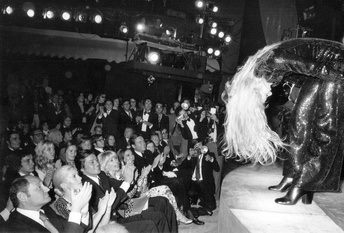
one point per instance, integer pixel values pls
(146, 170)
(112, 198)
(156, 160)
(128, 173)
(82, 198)
(103, 202)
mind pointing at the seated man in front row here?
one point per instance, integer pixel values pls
(29, 197)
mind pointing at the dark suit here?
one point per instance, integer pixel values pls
(110, 123)
(52, 114)
(165, 222)
(98, 191)
(19, 223)
(162, 124)
(123, 144)
(126, 121)
(140, 162)
(205, 188)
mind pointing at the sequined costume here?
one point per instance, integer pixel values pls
(315, 155)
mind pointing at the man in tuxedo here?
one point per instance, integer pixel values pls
(139, 147)
(109, 117)
(203, 163)
(159, 210)
(188, 127)
(29, 195)
(144, 120)
(127, 117)
(124, 142)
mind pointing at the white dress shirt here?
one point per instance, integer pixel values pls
(200, 169)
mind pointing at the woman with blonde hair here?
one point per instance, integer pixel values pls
(67, 184)
(110, 164)
(44, 159)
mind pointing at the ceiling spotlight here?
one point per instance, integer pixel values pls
(48, 14)
(8, 10)
(213, 24)
(228, 39)
(153, 57)
(80, 17)
(140, 27)
(97, 18)
(124, 29)
(200, 20)
(210, 50)
(199, 4)
(221, 34)
(30, 13)
(66, 15)
(29, 9)
(213, 31)
(217, 52)
(215, 9)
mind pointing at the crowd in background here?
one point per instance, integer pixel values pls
(131, 160)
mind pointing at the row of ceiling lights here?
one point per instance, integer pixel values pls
(209, 7)
(50, 13)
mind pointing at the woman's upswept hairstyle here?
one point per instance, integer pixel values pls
(247, 134)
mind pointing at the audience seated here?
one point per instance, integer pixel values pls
(137, 173)
(29, 196)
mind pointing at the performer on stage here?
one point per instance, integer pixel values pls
(315, 146)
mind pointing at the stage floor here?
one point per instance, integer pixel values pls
(246, 205)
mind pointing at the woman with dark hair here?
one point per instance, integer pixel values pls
(68, 154)
(110, 143)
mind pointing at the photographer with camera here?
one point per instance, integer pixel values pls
(202, 164)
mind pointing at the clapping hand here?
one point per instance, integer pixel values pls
(156, 160)
(103, 202)
(82, 198)
(112, 198)
(128, 173)
(145, 171)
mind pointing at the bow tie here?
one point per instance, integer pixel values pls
(145, 112)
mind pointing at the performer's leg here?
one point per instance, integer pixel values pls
(300, 133)
(323, 163)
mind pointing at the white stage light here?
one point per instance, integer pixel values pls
(8, 10)
(199, 4)
(66, 15)
(153, 57)
(217, 52)
(97, 18)
(140, 27)
(213, 31)
(124, 29)
(228, 39)
(200, 20)
(215, 9)
(213, 24)
(48, 14)
(80, 17)
(30, 13)
(221, 34)
(210, 50)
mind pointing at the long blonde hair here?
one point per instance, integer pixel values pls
(247, 134)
